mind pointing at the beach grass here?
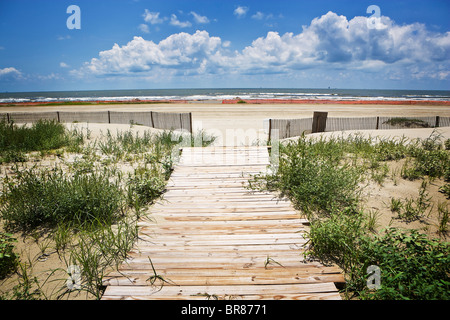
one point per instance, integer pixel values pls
(43, 135)
(87, 204)
(325, 179)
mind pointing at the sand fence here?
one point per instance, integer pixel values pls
(157, 120)
(287, 128)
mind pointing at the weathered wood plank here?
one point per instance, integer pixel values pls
(214, 280)
(279, 296)
(221, 290)
(214, 238)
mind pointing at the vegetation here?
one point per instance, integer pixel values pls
(85, 206)
(8, 259)
(407, 122)
(325, 180)
(42, 135)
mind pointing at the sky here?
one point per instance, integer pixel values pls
(49, 45)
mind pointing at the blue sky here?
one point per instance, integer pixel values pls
(140, 44)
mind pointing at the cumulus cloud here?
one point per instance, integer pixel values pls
(328, 42)
(178, 51)
(240, 11)
(334, 41)
(63, 65)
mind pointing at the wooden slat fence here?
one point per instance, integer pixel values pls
(157, 120)
(296, 127)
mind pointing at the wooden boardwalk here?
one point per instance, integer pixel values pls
(212, 238)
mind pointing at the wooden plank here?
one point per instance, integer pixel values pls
(214, 238)
(269, 248)
(305, 296)
(214, 280)
(275, 271)
(221, 290)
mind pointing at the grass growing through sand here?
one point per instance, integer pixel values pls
(85, 206)
(325, 180)
(43, 135)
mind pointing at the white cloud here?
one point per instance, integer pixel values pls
(199, 19)
(178, 51)
(63, 65)
(152, 17)
(258, 15)
(240, 11)
(10, 71)
(175, 22)
(144, 28)
(334, 41)
(330, 42)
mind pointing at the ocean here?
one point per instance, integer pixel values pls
(225, 94)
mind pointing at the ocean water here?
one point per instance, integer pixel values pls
(223, 94)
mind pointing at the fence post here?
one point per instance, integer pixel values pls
(270, 129)
(57, 116)
(378, 123)
(7, 117)
(319, 122)
(109, 116)
(151, 118)
(190, 123)
(437, 121)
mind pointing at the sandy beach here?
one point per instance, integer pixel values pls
(237, 124)
(243, 124)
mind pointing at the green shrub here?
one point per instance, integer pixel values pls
(317, 177)
(433, 163)
(412, 266)
(144, 186)
(42, 135)
(310, 174)
(46, 197)
(337, 239)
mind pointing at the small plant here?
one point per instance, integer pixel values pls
(372, 220)
(8, 259)
(396, 205)
(270, 260)
(152, 279)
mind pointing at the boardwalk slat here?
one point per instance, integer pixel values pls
(211, 237)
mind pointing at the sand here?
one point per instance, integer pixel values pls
(237, 124)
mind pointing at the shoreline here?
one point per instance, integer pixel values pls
(232, 101)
